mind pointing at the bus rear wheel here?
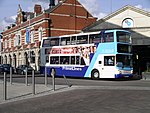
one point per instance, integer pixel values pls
(95, 74)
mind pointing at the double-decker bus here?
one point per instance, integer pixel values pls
(103, 54)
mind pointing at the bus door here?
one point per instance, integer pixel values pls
(108, 69)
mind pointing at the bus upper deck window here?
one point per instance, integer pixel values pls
(54, 42)
(94, 38)
(108, 37)
(123, 37)
(65, 41)
(73, 40)
(46, 43)
(83, 39)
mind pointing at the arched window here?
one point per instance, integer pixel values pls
(32, 57)
(127, 23)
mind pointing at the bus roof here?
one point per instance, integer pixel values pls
(82, 33)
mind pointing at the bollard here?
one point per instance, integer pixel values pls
(26, 77)
(53, 78)
(53, 82)
(45, 76)
(10, 75)
(5, 86)
(33, 83)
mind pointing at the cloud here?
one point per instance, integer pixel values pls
(6, 22)
(43, 3)
(141, 7)
(1, 2)
(92, 6)
(46, 1)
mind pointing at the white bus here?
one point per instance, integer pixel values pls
(103, 54)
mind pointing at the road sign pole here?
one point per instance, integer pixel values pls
(53, 78)
(26, 77)
(5, 86)
(45, 76)
(10, 75)
(33, 83)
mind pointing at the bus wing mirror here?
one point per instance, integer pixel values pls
(100, 62)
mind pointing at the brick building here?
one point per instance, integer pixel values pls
(21, 41)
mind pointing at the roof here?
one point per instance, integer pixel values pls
(102, 20)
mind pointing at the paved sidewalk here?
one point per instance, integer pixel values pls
(19, 91)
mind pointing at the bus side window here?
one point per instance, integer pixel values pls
(47, 59)
(94, 38)
(54, 60)
(72, 59)
(108, 37)
(64, 59)
(83, 39)
(54, 42)
(73, 40)
(46, 43)
(109, 61)
(65, 41)
(77, 60)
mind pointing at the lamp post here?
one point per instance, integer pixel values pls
(1, 48)
(28, 41)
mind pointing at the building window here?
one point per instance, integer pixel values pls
(5, 44)
(9, 43)
(32, 57)
(32, 36)
(127, 23)
(18, 40)
(15, 41)
(40, 33)
(27, 36)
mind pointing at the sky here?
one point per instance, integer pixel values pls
(98, 8)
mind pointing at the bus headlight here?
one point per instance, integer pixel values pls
(131, 71)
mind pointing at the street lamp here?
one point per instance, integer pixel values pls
(1, 48)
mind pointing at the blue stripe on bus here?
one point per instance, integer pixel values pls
(103, 48)
(88, 72)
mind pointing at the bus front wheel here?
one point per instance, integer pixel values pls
(95, 74)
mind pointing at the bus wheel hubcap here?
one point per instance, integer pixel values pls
(96, 75)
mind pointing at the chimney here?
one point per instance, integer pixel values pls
(37, 9)
(52, 3)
